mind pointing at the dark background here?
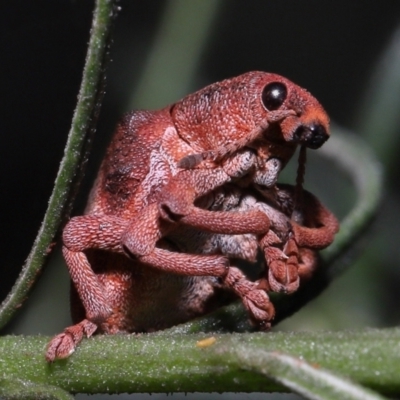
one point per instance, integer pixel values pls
(329, 47)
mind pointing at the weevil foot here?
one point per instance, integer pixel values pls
(64, 344)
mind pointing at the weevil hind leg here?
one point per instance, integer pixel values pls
(80, 235)
(64, 344)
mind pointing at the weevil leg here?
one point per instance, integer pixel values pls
(64, 344)
(176, 204)
(320, 225)
(227, 222)
(255, 299)
(82, 233)
(308, 263)
(90, 232)
(282, 265)
(139, 241)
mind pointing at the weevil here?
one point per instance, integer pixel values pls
(159, 162)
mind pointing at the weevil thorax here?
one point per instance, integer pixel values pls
(226, 112)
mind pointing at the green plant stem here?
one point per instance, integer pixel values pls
(160, 363)
(65, 186)
(310, 381)
(17, 389)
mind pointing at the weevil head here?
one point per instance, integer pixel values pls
(230, 111)
(299, 115)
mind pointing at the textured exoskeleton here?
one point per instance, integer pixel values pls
(157, 165)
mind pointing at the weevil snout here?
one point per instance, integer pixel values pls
(312, 135)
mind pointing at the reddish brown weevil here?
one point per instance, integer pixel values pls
(126, 276)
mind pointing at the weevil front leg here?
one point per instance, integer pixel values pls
(177, 200)
(295, 258)
(319, 225)
(282, 262)
(316, 232)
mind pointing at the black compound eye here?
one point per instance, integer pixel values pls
(273, 95)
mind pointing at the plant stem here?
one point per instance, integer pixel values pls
(70, 170)
(160, 363)
(305, 379)
(17, 389)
